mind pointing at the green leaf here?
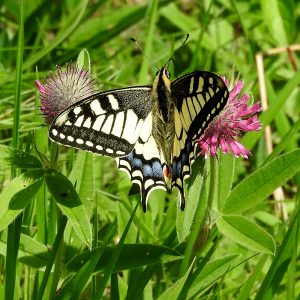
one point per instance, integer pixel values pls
(226, 171)
(194, 228)
(84, 274)
(193, 188)
(70, 25)
(102, 29)
(284, 142)
(70, 204)
(178, 18)
(132, 256)
(260, 184)
(267, 218)
(278, 268)
(31, 252)
(84, 60)
(82, 176)
(138, 281)
(19, 159)
(211, 272)
(173, 291)
(76, 285)
(20, 200)
(246, 292)
(31, 126)
(152, 15)
(112, 261)
(246, 233)
(17, 194)
(187, 25)
(279, 18)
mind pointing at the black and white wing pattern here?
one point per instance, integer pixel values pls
(144, 165)
(117, 123)
(107, 123)
(151, 131)
(199, 97)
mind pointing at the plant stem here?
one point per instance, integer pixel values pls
(14, 229)
(213, 184)
(53, 255)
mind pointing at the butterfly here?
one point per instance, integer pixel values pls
(152, 131)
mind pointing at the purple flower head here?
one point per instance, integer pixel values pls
(62, 88)
(236, 117)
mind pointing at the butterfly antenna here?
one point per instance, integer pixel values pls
(172, 57)
(173, 60)
(141, 49)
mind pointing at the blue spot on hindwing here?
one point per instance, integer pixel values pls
(147, 170)
(129, 157)
(150, 169)
(174, 170)
(137, 162)
(188, 147)
(178, 169)
(184, 158)
(157, 170)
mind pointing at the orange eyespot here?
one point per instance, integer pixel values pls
(167, 172)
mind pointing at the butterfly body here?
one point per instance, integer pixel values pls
(151, 131)
(163, 128)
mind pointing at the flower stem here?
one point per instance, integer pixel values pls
(213, 184)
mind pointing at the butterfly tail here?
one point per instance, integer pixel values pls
(147, 173)
(182, 199)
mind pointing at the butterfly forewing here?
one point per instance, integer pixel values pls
(199, 97)
(107, 123)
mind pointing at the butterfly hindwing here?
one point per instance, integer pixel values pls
(144, 165)
(106, 123)
(199, 97)
(181, 167)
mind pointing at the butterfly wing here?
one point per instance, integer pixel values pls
(198, 97)
(106, 123)
(144, 165)
(116, 123)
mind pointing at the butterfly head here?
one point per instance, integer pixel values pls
(163, 72)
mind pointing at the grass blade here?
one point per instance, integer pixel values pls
(55, 249)
(114, 258)
(14, 230)
(279, 265)
(73, 22)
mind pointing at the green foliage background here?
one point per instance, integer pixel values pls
(70, 229)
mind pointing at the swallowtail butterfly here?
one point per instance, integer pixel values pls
(152, 131)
